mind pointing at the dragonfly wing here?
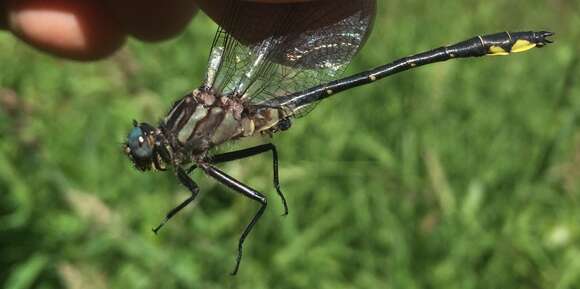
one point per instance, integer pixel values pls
(306, 44)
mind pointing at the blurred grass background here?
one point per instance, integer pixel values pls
(455, 175)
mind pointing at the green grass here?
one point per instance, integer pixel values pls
(457, 175)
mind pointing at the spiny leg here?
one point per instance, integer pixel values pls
(245, 153)
(247, 192)
(191, 186)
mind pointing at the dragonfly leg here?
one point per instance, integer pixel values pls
(191, 186)
(193, 167)
(245, 153)
(245, 191)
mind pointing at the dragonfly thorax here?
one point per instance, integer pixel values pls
(195, 124)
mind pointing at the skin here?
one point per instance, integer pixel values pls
(88, 30)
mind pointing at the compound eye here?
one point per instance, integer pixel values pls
(137, 144)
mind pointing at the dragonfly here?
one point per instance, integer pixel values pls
(260, 77)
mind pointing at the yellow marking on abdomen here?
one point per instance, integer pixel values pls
(523, 45)
(497, 51)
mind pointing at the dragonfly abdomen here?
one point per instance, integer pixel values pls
(503, 43)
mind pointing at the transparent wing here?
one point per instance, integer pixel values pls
(299, 46)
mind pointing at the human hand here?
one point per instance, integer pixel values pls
(93, 29)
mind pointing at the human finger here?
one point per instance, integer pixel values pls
(151, 20)
(77, 29)
(253, 21)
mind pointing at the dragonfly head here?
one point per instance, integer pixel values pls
(142, 147)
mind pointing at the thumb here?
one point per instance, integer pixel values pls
(78, 29)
